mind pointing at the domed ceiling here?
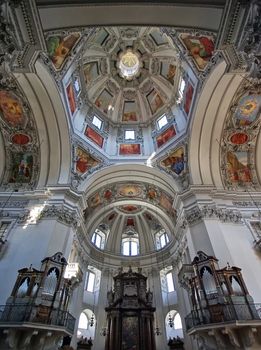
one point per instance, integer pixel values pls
(130, 73)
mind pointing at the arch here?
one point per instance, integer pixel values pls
(173, 325)
(128, 172)
(86, 325)
(52, 125)
(207, 126)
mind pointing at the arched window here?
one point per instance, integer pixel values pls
(83, 321)
(170, 284)
(161, 238)
(100, 235)
(173, 325)
(86, 324)
(130, 246)
(90, 281)
(177, 321)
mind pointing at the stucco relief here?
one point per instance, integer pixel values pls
(239, 138)
(20, 136)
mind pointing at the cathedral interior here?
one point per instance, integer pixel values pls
(130, 174)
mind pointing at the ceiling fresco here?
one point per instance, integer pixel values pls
(240, 137)
(131, 191)
(20, 135)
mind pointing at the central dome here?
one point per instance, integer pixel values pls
(131, 74)
(129, 64)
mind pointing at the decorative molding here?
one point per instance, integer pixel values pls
(197, 214)
(65, 215)
(32, 148)
(223, 214)
(237, 173)
(246, 204)
(13, 204)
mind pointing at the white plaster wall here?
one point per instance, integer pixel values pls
(29, 245)
(239, 241)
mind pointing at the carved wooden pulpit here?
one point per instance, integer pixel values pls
(130, 314)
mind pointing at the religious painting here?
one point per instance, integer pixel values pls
(238, 138)
(22, 167)
(201, 48)
(129, 111)
(238, 168)
(165, 202)
(175, 161)
(129, 149)
(148, 216)
(91, 71)
(59, 48)
(130, 333)
(94, 136)
(155, 101)
(95, 200)
(104, 101)
(111, 217)
(129, 208)
(84, 161)
(188, 97)
(71, 98)
(248, 109)
(165, 136)
(101, 36)
(168, 71)
(20, 139)
(158, 37)
(11, 109)
(130, 190)
(152, 193)
(130, 222)
(107, 194)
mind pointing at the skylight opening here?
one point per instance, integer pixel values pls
(182, 85)
(77, 85)
(97, 122)
(162, 121)
(129, 135)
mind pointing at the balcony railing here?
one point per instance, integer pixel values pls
(223, 313)
(36, 314)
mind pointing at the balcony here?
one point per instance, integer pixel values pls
(37, 317)
(218, 315)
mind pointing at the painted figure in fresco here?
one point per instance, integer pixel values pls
(152, 193)
(171, 73)
(59, 48)
(90, 71)
(71, 98)
(11, 108)
(237, 170)
(22, 168)
(107, 195)
(156, 103)
(84, 161)
(188, 98)
(175, 161)
(248, 109)
(201, 48)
